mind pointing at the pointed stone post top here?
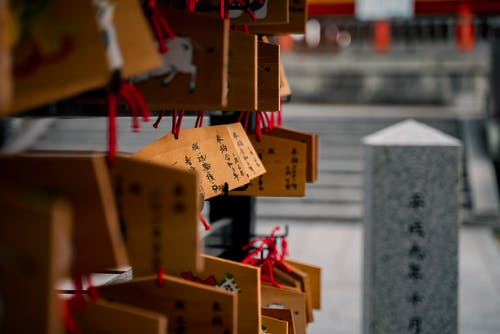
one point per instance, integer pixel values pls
(410, 133)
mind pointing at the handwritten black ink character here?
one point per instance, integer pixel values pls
(179, 305)
(202, 157)
(179, 207)
(270, 150)
(219, 139)
(217, 321)
(415, 325)
(187, 160)
(136, 189)
(206, 166)
(192, 169)
(227, 157)
(414, 298)
(416, 201)
(416, 252)
(236, 176)
(156, 231)
(260, 156)
(178, 190)
(295, 160)
(223, 148)
(216, 306)
(294, 151)
(215, 188)
(240, 143)
(210, 177)
(414, 271)
(235, 135)
(416, 228)
(195, 147)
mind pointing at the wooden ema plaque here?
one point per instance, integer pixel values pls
(314, 274)
(137, 44)
(283, 314)
(108, 318)
(274, 326)
(191, 308)
(275, 11)
(35, 244)
(63, 53)
(84, 179)
(302, 284)
(221, 154)
(5, 61)
(194, 71)
(311, 141)
(298, 14)
(159, 213)
(268, 77)
(283, 298)
(247, 279)
(266, 12)
(285, 162)
(242, 72)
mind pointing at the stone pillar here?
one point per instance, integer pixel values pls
(411, 230)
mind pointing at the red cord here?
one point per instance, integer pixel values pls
(205, 222)
(258, 126)
(199, 119)
(280, 113)
(158, 120)
(160, 26)
(222, 9)
(160, 275)
(177, 122)
(69, 321)
(92, 290)
(112, 131)
(247, 120)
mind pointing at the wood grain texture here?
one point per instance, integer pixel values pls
(35, 248)
(84, 179)
(284, 314)
(242, 73)
(296, 24)
(268, 77)
(285, 162)
(275, 326)
(105, 317)
(295, 301)
(192, 308)
(159, 210)
(210, 42)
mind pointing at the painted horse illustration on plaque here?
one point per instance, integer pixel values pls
(178, 59)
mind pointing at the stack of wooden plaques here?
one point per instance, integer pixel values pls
(71, 215)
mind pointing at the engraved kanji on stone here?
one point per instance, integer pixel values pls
(416, 201)
(414, 271)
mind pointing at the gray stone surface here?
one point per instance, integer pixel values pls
(411, 230)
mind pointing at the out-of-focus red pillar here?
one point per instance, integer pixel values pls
(286, 43)
(465, 35)
(382, 36)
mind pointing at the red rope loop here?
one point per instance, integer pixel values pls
(177, 122)
(280, 113)
(273, 258)
(160, 277)
(137, 105)
(205, 222)
(159, 24)
(199, 119)
(158, 120)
